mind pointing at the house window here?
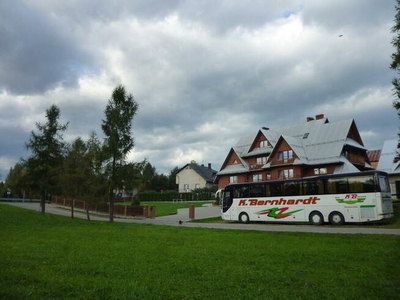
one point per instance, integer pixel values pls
(233, 179)
(268, 176)
(285, 155)
(261, 160)
(320, 171)
(257, 177)
(197, 186)
(284, 174)
(186, 187)
(263, 144)
(235, 161)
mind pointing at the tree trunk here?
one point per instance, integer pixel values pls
(43, 203)
(111, 192)
(87, 213)
(72, 208)
(111, 201)
(86, 208)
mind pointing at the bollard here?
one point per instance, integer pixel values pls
(146, 211)
(153, 211)
(191, 212)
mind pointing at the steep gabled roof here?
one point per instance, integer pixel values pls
(271, 135)
(345, 167)
(297, 146)
(387, 161)
(315, 142)
(205, 172)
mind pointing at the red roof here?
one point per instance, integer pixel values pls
(374, 155)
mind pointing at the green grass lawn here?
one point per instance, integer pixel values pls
(55, 257)
(168, 208)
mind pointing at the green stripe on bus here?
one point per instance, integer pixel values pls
(367, 205)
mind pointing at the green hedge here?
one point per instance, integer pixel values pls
(152, 196)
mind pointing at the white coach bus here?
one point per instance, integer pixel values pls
(356, 197)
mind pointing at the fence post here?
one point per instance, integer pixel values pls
(145, 211)
(191, 212)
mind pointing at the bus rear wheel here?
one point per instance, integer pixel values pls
(336, 218)
(244, 218)
(316, 218)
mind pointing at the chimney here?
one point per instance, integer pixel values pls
(209, 166)
(319, 117)
(309, 119)
(265, 128)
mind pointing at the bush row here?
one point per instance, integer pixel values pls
(153, 196)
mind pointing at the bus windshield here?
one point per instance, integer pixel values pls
(384, 184)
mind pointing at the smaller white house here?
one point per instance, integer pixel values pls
(194, 176)
(389, 162)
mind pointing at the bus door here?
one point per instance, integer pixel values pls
(387, 203)
(227, 200)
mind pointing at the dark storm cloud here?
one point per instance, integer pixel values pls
(36, 53)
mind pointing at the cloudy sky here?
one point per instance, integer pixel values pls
(203, 72)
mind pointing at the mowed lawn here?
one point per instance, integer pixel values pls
(169, 208)
(54, 257)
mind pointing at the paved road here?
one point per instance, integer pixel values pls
(210, 211)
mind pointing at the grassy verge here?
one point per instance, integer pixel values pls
(54, 257)
(168, 208)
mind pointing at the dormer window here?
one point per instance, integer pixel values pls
(285, 155)
(235, 161)
(263, 144)
(261, 160)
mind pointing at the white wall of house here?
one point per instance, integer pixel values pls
(188, 180)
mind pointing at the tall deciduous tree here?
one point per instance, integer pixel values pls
(74, 172)
(172, 179)
(95, 183)
(395, 65)
(119, 113)
(48, 150)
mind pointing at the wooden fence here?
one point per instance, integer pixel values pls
(102, 207)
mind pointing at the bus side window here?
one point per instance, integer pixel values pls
(337, 186)
(236, 192)
(267, 191)
(313, 187)
(291, 188)
(361, 184)
(257, 191)
(276, 189)
(241, 192)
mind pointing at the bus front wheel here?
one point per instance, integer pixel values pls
(336, 218)
(244, 218)
(316, 218)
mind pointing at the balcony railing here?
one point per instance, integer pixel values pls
(256, 167)
(354, 158)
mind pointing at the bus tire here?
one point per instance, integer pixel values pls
(244, 218)
(316, 218)
(336, 218)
